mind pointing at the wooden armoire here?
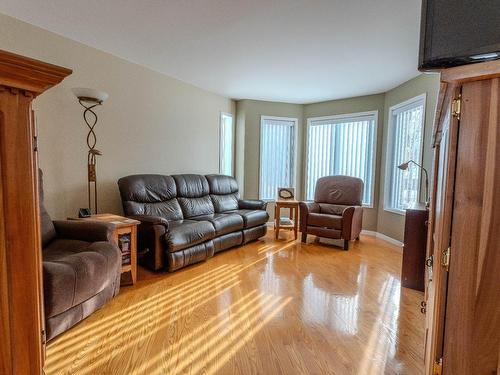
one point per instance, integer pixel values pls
(21, 294)
(463, 252)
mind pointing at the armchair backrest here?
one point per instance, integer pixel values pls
(47, 229)
(339, 190)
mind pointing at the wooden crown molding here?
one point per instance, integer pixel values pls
(29, 74)
(471, 72)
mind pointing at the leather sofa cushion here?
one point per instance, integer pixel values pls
(74, 271)
(343, 190)
(147, 188)
(253, 218)
(224, 223)
(332, 209)
(170, 209)
(191, 185)
(196, 206)
(223, 203)
(221, 185)
(186, 233)
(325, 221)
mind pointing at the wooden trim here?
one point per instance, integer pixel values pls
(471, 72)
(29, 74)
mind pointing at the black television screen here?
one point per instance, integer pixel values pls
(458, 32)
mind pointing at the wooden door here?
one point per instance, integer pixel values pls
(440, 231)
(472, 322)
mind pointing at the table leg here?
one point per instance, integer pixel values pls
(295, 220)
(276, 221)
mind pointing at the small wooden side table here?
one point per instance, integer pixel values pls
(292, 223)
(125, 236)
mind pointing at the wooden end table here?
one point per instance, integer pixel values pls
(125, 236)
(292, 223)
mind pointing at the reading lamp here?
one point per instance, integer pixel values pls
(404, 167)
(89, 99)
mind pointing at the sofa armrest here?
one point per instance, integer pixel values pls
(352, 222)
(305, 209)
(89, 231)
(150, 239)
(252, 204)
(150, 220)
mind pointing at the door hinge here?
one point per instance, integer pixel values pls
(44, 337)
(35, 143)
(445, 260)
(438, 367)
(456, 107)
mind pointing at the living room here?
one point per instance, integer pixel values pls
(248, 187)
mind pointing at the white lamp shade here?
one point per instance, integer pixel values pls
(90, 94)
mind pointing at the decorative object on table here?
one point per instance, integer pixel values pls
(291, 222)
(404, 167)
(124, 234)
(286, 193)
(84, 212)
(89, 99)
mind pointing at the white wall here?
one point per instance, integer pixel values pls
(151, 123)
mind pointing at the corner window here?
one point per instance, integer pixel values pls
(406, 134)
(226, 142)
(277, 155)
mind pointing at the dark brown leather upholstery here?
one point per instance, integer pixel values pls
(81, 269)
(196, 216)
(336, 211)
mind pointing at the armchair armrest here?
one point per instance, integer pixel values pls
(90, 231)
(305, 209)
(352, 222)
(252, 204)
(150, 239)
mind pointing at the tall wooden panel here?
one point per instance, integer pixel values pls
(463, 289)
(21, 309)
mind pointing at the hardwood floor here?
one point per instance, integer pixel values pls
(270, 307)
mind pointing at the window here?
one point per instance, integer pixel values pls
(277, 155)
(342, 145)
(406, 132)
(226, 136)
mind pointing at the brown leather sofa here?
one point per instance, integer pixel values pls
(81, 269)
(336, 211)
(187, 218)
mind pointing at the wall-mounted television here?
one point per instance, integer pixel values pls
(458, 32)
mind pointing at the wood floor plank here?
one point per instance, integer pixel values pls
(270, 307)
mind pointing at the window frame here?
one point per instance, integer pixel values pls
(390, 150)
(221, 121)
(295, 152)
(344, 116)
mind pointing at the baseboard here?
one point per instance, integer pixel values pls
(382, 237)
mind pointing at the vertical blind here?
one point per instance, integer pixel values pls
(341, 146)
(226, 141)
(277, 155)
(406, 128)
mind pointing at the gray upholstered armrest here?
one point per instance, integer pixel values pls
(251, 204)
(151, 220)
(90, 231)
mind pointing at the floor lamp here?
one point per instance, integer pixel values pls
(89, 99)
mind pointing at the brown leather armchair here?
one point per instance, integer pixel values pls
(81, 269)
(336, 211)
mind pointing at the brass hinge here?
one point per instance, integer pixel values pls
(445, 260)
(438, 367)
(35, 143)
(456, 107)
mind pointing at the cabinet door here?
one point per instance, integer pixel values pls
(440, 232)
(472, 335)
